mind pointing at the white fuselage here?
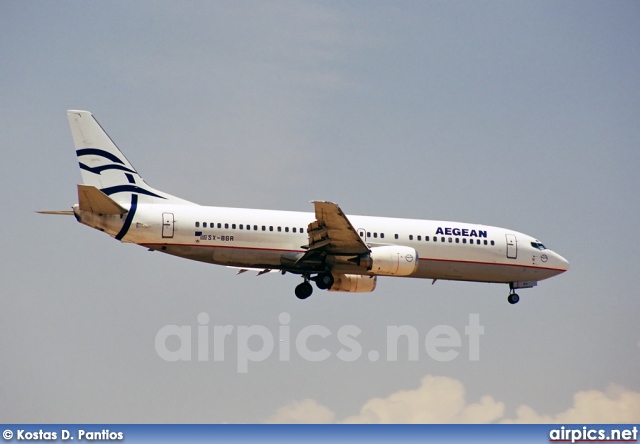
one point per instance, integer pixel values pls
(336, 251)
(259, 238)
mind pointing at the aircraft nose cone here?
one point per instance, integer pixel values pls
(563, 264)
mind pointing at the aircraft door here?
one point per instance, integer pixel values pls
(167, 225)
(512, 246)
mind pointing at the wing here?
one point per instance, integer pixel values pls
(332, 233)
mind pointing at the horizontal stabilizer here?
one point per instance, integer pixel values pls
(95, 201)
(57, 213)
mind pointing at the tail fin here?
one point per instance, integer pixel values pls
(104, 167)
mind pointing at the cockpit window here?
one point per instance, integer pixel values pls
(538, 245)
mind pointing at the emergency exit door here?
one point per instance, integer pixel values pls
(512, 246)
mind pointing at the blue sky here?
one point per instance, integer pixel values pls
(516, 114)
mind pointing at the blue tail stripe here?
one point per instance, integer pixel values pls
(129, 219)
(98, 152)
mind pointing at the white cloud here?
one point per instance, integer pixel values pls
(307, 411)
(441, 399)
(614, 405)
(438, 399)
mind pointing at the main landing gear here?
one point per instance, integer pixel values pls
(304, 290)
(324, 281)
(513, 298)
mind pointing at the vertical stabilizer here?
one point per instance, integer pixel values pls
(104, 166)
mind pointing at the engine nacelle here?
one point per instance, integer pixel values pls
(353, 283)
(392, 260)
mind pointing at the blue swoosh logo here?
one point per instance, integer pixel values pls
(100, 153)
(100, 169)
(128, 188)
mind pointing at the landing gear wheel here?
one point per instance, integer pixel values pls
(324, 281)
(513, 298)
(304, 290)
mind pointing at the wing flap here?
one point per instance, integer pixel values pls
(332, 232)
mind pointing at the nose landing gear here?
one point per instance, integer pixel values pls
(513, 296)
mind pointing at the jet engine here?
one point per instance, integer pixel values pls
(392, 260)
(353, 283)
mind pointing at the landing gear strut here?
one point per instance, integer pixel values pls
(513, 297)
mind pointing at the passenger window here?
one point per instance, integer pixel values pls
(464, 240)
(286, 229)
(485, 242)
(302, 230)
(240, 227)
(471, 241)
(396, 236)
(294, 229)
(219, 225)
(450, 240)
(264, 228)
(362, 234)
(270, 227)
(457, 240)
(435, 239)
(226, 226)
(381, 235)
(368, 234)
(419, 238)
(197, 224)
(233, 226)
(248, 227)
(411, 237)
(279, 229)
(255, 228)
(442, 239)
(426, 238)
(493, 243)
(375, 235)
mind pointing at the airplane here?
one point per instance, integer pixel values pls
(336, 251)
